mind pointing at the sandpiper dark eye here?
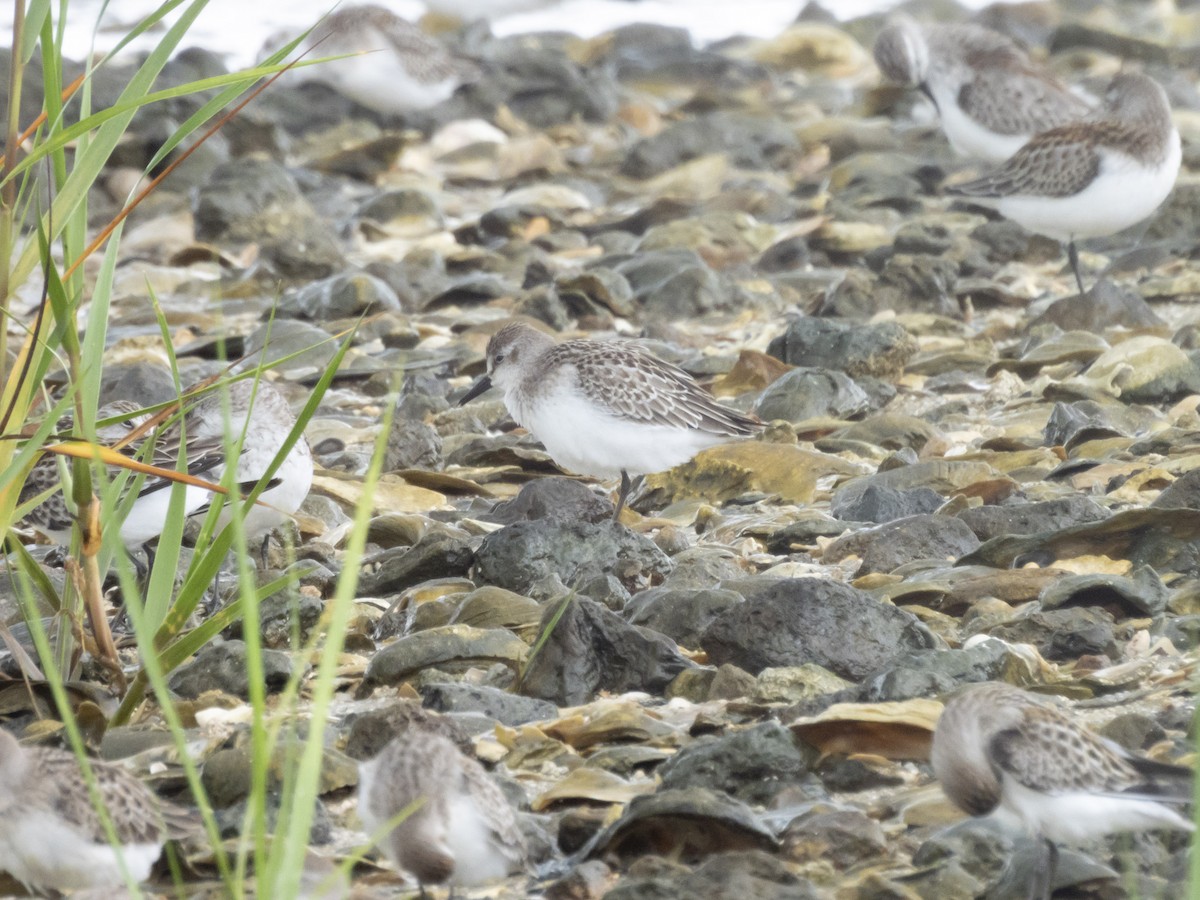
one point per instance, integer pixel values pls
(497, 359)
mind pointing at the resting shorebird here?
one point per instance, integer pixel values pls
(990, 97)
(997, 749)
(461, 828)
(52, 837)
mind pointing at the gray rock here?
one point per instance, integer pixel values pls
(1142, 594)
(879, 350)
(452, 648)
(309, 349)
(880, 504)
(1061, 635)
(257, 201)
(556, 499)
(370, 731)
(908, 283)
(812, 393)
(1029, 518)
(144, 383)
(844, 837)
(412, 444)
(887, 547)
(591, 649)
(807, 620)
(342, 296)
(752, 141)
(679, 613)
(508, 709)
(1182, 493)
(736, 875)
(754, 764)
(542, 559)
(670, 285)
(1105, 305)
(436, 555)
(221, 666)
(927, 673)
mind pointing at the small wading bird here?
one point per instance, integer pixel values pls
(997, 749)
(249, 411)
(990, 97)
(605, 409)
(52, 837)
(1093, 178)
(397, 68)
(461, 828)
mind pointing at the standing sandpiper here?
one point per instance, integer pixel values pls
(991, 98)
(461, 828)
(997, 749)
(605, 409)
(52, 837)
(398, 69)
(1093, 178)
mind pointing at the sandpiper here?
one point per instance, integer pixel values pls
(998, 750)
(461, 829)
(52, 837)
(605, 409)
(398, 69)
(260, 419)
(1092, 178)
(990, 97)
(146, 517)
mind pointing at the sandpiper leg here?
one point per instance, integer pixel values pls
(1041, 882)
(1073, 259)
(622, 494)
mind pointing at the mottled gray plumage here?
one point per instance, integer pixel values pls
(606, 409)
(53, 518)
(463, 831)
(993, 737)
(51, 835)
(990, 80)
(1063, 161)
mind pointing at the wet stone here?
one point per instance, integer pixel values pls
(542, 559)
(552, 499)
(881, 504)
(928, 673)
(1030, 518)
(889, 546)
(812, 393)
(753, 764)
(804, 620)
(844, 837)
(437, 555)
(681, 614)
(504, 707)
(879, 350)
(221, 666)
(1062, 635)
(591, 649)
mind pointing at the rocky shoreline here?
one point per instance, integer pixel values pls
(971, 473)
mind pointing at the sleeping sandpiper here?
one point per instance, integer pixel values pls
(260, 418)
(461, 828)
(605, 409)
(52, 837)
(148, 514)
(998, 750)
(1093, 178)
(398, 69)
(990, 97)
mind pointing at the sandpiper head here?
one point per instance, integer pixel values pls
(1132, 96)
(961, 740)
(508, 354)
(901, 52)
